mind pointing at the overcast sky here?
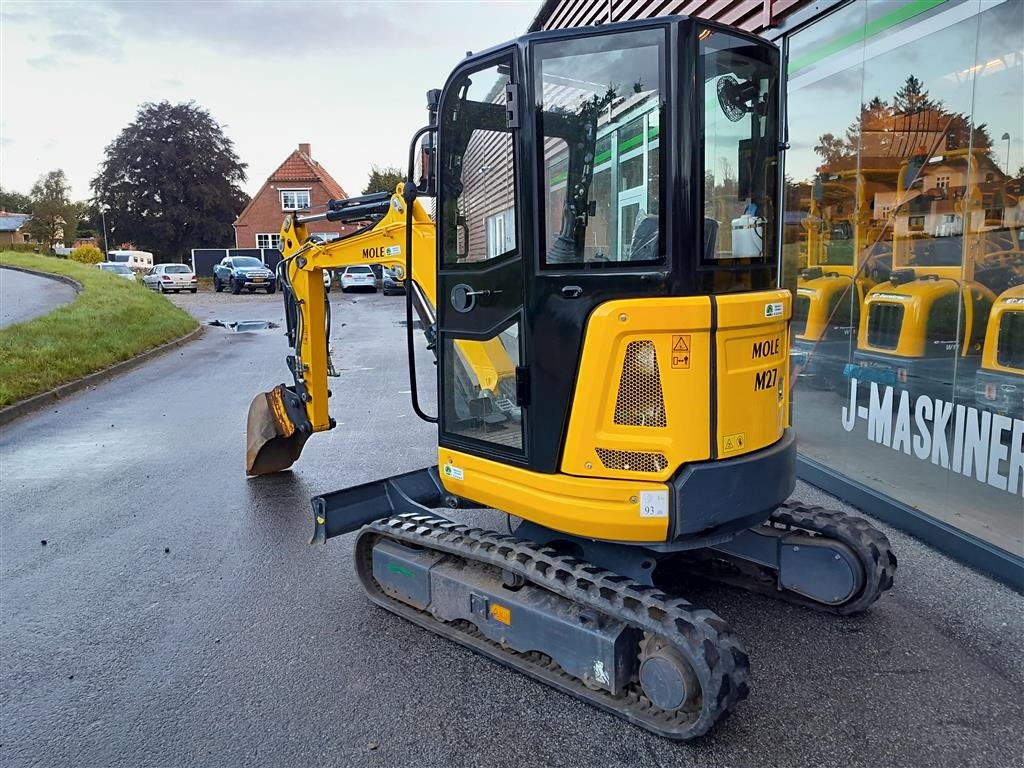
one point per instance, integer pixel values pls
(347, 77)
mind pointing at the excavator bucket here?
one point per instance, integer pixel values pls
(273, 442)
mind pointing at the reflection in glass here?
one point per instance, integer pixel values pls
(479, 219)
(598, 116)
(903, 229)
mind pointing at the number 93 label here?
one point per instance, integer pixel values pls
(653, 503)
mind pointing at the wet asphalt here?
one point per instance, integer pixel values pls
(24, 296)
(158, 608)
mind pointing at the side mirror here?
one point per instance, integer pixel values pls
(427, 184)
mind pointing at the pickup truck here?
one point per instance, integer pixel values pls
(238, 272)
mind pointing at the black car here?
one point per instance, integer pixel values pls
(238, 272)
(391, 283)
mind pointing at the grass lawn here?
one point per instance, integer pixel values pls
(110, 321)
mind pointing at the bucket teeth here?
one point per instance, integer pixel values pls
(273, 442)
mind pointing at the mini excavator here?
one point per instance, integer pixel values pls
(598, 282)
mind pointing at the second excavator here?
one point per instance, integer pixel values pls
(600, 293)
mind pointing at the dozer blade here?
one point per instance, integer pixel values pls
(273, 442)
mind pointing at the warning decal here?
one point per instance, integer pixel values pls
(733, 442)
(681, 351)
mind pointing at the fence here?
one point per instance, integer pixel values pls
(203, 259)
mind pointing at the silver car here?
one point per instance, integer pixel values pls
(170, 277)
(118, 269)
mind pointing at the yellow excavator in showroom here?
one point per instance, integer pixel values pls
(600, 292)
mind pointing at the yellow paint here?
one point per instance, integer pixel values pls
(686, 391)
(591, 507)
(753, 369)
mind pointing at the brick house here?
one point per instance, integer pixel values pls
(300, 182)
(12, 230)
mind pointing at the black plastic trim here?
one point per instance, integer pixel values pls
(729, 494)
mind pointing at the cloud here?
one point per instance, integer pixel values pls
(262, 29)
(82, 44)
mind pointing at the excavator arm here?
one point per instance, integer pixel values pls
(280, 421)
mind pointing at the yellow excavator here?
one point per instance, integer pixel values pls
(612, 369)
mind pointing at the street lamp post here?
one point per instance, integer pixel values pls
(103, 216)
(1006, 137)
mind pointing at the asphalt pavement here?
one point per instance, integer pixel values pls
(158, 608)
(24, 296)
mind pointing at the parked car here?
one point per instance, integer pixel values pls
(170, 277)
(359, 276)
(118, 269)
(238, 272)
(328, 277)
(137, 260)
(392, 283)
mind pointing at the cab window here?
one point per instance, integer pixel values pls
(478, 220)
(599, 118)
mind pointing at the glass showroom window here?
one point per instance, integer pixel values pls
(904, 242)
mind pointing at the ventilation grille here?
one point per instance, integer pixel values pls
(634, 461)
(640, 402)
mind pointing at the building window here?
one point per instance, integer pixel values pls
(942, 182)
(501, 233)
(294, 199)
(268, 240)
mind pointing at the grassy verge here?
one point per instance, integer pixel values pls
(110, 321)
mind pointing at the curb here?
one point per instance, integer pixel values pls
(59, 278)
(34, 403)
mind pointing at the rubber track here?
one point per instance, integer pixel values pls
(705, 639)
(870, 545)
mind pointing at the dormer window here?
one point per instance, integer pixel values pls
(294, 199)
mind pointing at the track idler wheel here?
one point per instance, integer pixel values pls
(273, 442)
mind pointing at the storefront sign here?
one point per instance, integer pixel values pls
(973, 442)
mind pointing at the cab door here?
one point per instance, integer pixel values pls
(481, 350)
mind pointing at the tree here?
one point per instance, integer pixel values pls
(831, 148)
(14, 202)
(53, 216)
(383, 179)
(912, 97)
(171, 181)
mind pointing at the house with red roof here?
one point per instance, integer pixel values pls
(299, 183)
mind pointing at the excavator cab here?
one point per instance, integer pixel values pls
(599, 284)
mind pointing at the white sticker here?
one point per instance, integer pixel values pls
(392, 250)
(453, 472)
(774, 309)
(653, 503)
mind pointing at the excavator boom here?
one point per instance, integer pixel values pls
(280, 421)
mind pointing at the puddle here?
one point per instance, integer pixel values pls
(245, 326)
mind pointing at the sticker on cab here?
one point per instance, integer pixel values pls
(455, 473)
(774, 309)
(392, 250)
(653, 503)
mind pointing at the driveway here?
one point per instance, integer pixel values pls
(24, 296)
(177, 614)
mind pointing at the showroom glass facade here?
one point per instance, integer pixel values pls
(903, 240)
